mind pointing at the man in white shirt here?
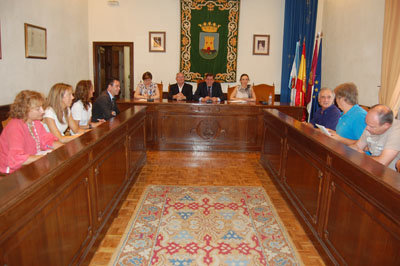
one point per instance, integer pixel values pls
(381, 137)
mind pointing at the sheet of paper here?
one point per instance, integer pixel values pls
(237, 101)
(323, 129)
(44, 152)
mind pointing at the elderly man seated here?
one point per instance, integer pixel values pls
(328, 114)
(381, 137)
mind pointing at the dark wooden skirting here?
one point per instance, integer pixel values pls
(172, 125)
(52, 210)
(346, 199)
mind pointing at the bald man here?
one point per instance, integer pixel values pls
(381, 136)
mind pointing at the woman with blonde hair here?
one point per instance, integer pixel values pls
(24, 139)
(58, 115)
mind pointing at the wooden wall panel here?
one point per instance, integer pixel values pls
(272, 147)
(136, 148)
(356, 232)
(303, 179)
(110, 175)
(59, 231)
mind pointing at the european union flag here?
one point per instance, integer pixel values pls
(317, 83)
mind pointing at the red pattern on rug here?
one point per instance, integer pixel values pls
(206, 226)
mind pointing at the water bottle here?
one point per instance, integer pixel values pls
(270, 99)
(149, 93)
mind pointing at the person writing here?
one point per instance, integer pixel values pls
(327, 114)
(243, 91)
(105, 107)
(147, 89)
(209, 90)
(351, 123)
(24, 138)
(57, 116)
(180, 91)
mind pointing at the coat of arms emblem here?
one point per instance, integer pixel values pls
(209, 40)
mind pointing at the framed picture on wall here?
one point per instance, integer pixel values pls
(35, 42)
(157, 41)
(260, 44)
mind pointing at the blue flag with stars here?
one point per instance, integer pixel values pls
(317, 83)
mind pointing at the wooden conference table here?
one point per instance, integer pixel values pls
(225, 126)
(349, 202)
(52, 210)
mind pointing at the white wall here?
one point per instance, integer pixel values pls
(132, 20)
(351, 52)
(352, 45)
(67, 54)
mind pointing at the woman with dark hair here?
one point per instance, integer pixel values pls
(82, 107)
(147, 89)
(243, 91)
(24, 137)
(57, 115)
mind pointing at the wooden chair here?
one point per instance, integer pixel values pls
(160, 89)
(5, 122)
(366, 108)
(263, 91)
(230, 90)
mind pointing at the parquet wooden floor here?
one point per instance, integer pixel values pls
(200, 168)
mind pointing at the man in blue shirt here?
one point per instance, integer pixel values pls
(328, 114)
(352, 122)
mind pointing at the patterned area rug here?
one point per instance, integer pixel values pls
(205, 226)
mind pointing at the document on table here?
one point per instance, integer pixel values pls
(237, 101)
(43, 152)
(323, 129)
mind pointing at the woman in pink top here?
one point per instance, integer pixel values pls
(24, 136)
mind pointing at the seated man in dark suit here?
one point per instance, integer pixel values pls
(180, 90)
(105, 106)
(209, 90)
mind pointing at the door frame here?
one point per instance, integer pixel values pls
(95, 62)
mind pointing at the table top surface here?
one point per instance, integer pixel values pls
(236, 103)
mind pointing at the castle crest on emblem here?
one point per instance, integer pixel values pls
(209, 40)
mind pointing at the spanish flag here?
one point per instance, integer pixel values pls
(301, 79)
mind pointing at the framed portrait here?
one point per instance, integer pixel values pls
(157, 41)
(35, 42)
(260, 44)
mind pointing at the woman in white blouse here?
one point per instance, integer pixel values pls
(57, 116)
(243, 91)
(147, 89)
(82, 107)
